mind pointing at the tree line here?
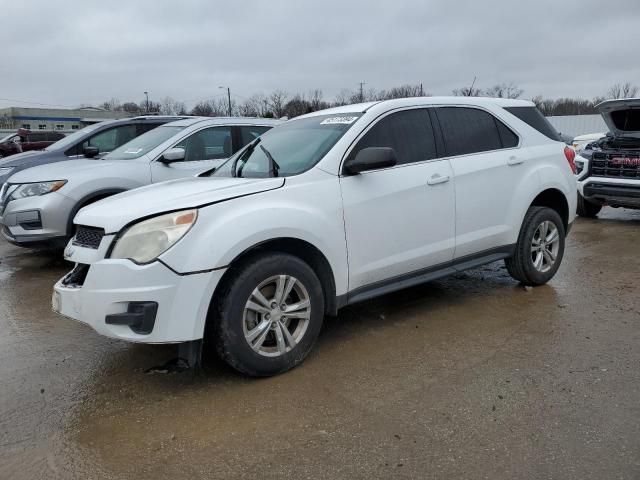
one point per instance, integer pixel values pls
(280, 103)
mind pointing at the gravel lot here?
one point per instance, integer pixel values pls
(469, 377)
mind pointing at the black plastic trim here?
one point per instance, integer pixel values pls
(140, 317)
(425, 275)
(603, 190)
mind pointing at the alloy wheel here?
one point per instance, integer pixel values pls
(545, 245)
(276, 315)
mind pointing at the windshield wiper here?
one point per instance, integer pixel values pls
(273, 165)
(248, 151)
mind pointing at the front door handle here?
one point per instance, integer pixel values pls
(513, 160)
(437, 178)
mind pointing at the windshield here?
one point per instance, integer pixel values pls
(7, 138)
(72, 139)
(288, 149)
(143, 144)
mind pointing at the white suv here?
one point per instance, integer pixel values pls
(325, 210)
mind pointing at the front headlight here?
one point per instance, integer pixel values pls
(23, 190)
(147, 240)
(4, 171)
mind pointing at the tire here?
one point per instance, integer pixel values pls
(235, 324)
(586, 208)
(525, 265)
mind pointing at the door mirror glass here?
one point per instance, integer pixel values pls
(370, 158)
(91, 152)
(172, 155)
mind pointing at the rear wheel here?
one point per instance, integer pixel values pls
(586, 208)
(268, 315)
(540, 247)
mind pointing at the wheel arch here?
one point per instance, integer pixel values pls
(556, 200)
(299, 248)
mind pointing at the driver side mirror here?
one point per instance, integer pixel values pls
(172, 155)
(370, 158)
(91, 152)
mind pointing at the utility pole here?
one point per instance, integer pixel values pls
(228, 97)
(147, 95)
(421, 91)
(362, 84)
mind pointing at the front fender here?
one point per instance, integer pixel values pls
(311, 212)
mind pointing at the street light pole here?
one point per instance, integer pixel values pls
(147, 95)
(228, 97)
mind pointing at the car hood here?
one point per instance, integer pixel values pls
(622, 116)
(25, 158)
(58, 170)
(115, 212)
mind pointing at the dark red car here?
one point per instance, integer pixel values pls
(24, 140)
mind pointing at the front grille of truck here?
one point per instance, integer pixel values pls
(88, 237)
(616, 165)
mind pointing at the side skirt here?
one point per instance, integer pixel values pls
(425, 275)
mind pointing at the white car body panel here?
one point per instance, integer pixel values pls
(425, 228)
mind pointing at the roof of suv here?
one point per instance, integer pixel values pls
(187, 122)
(410, 101)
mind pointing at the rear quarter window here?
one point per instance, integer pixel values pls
(534, 118)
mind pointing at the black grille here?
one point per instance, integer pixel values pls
(89, 237)
(616, 165)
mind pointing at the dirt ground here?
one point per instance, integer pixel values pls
(470, 377)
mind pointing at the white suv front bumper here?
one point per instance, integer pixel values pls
(110, 286)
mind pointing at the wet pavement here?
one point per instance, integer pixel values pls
(470, 377)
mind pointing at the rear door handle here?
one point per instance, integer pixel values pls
(513, 160)
(437, 178)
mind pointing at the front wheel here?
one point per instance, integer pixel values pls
(586, 208)
(540, 247)
(268, 315)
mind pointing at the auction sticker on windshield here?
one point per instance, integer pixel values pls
(342, 120)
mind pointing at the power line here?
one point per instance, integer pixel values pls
(36, 103)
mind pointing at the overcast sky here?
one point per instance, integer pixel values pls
(85, 52)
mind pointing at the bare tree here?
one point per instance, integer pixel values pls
(211, 108)
(169, 106)
(343, 98)
(403, 91)
(316, 101)
(466, 92)
(622, 90)
(503, 90)
(131, 107)
(254, 106)
(277, 100)
(112, 105)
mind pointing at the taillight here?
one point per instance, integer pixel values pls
(570, 153)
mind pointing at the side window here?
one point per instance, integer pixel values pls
(408, 132)
(509, 139)
(108, 140)
(208, 144)
(249, 133)
(36, 137)
(146, 127)
(468, 130)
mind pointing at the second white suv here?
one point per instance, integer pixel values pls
(323, 211)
